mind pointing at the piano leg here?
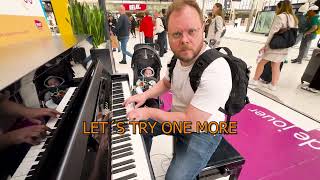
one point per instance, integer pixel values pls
(235, 175)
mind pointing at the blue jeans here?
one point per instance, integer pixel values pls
(304, 47)
(124, 41)
(192, 152)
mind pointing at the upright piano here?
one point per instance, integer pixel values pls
(92, 95)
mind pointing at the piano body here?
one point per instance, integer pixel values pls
(67, 152)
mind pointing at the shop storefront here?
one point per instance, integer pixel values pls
(265, 17)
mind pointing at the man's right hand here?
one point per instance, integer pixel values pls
(139, 99)
(32, 134)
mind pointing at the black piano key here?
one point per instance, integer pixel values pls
(123, 163)
(125, 121)
(117, 96)
(126, 168)
(29, 178)
(115, 131)
(117, 101)
(123, 110)
(117, 106)
(121, 136)
(133, 175)
(31, 172)
(122, 155)
(119, 118)
(116, 80)
(124, 125)
(41, 153)
(57, 123)
(117, 92)
(119, 113)
(38, 158)
(121, 146)
(121, 140)
(116, 84)
(122, 151)
(117, 88)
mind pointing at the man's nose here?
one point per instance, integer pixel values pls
(185, 38)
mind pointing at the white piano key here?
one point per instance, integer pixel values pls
(24, 169)
(123, 159)
(66, 98)
(39, 146)
(125, 173)
(118, 109)
(140, 155)
(35, 152)
(19, 178)
(116, 117)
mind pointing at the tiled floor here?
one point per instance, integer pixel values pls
(245, 46)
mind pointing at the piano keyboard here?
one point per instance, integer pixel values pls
(129, 159)
(32, 158)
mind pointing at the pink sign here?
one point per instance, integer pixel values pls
(274, 148)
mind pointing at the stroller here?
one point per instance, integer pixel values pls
(146, 68)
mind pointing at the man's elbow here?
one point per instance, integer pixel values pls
(166, 83)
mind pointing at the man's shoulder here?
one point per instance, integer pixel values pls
(218, 64)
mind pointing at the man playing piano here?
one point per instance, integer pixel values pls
(193, 151)
(14, 133)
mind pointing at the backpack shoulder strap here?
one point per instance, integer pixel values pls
(171, 66)
(204, 60)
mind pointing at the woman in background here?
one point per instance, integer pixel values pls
(216, 27)
(133, 26)
(284, 17)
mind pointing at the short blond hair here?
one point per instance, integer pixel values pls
(178, 5)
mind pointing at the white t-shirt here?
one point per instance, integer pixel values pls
(212, 93)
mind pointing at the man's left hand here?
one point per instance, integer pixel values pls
(36, 113)
(139, 114)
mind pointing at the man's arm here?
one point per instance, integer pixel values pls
(12, 109)
(312, 29)
(119, 24)
(192, 114)
(16, 110)
(161, 87)
(158, 89)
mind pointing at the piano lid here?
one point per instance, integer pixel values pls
(17, 60)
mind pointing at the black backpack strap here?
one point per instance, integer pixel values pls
(204, 60)
(171, 66)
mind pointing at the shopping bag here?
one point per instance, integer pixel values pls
(114, 41)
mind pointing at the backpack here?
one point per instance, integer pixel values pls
(164, 22)
(240, 78)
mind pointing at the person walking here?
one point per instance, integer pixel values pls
(284, 17)
(208, 23)
(146, 27)
(309, 35)
(159, 30)
(216, 27)
(133, 26)
(165, 24)
(122, 29)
